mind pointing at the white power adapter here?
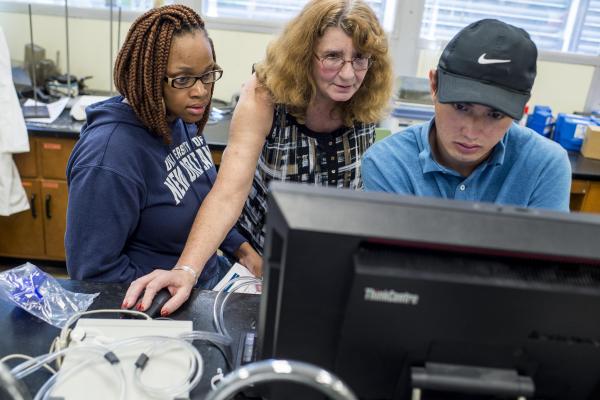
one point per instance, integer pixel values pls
(96, 381)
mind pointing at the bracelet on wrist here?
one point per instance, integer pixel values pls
(189, 270)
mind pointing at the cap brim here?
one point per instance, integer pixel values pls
(452, 88)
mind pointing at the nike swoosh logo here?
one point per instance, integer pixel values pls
(483, 60)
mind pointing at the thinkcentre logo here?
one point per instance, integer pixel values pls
(391, 296)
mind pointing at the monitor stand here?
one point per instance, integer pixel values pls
(470, 380)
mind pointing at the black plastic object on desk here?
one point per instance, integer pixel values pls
(157, 304)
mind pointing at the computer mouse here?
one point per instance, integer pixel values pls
(158, 302)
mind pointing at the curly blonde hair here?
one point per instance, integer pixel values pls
(287, 70)
(141, 65)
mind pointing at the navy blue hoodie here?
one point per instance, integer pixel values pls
(133, 198)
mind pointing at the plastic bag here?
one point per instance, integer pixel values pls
(41, 295)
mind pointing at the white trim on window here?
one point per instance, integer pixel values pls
(272, 26)
(592, 101)
(551, 56)
(74, 12)
(243, 25)
(405, 41)
(569, 58)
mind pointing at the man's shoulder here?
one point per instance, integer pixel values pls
(403, 143)
(528, 141)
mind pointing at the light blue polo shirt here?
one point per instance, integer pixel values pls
(524, 169)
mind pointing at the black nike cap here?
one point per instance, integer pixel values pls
(488, 62)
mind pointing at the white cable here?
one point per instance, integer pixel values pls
(25, 357)
(223, 290)
(62, 341)
(212, 337)
(22, 370)
(28, 367)
(45, 391)
(244, 281)
(222, 308)
(221, 313)
(156, 346)
(216, 379)
(174, 390)
(187, 384)
(65, 330)
(35, 363)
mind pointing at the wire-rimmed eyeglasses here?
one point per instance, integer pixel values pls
(336, 63)
(184, 82)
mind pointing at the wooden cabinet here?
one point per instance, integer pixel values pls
(54, 209)
(22, 234)
(585, 196)
(39, 233)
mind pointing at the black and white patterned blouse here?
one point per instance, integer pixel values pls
(294, 153)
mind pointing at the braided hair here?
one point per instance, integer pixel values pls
(142, 63)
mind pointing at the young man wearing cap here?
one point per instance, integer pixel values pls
(472, 149)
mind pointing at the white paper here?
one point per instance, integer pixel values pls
(78, 109)
(54, 109)
(236, 271)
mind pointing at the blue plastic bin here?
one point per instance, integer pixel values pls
(570, 130)
(541, 120)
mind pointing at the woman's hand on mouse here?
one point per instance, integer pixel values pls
(178, 282)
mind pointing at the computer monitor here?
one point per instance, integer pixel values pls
(370, 285)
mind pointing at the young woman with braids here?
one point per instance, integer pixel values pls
(307, 115)
(141, 168)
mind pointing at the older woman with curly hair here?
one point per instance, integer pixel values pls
(307, 115)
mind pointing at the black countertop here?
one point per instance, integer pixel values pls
(216, 131)
(26, 334)
(584, 168)
(62, 127)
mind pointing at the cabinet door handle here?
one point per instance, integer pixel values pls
(32, 206)
(48, 203)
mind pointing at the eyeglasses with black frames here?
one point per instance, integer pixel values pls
(335, 63)
(184, 82)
